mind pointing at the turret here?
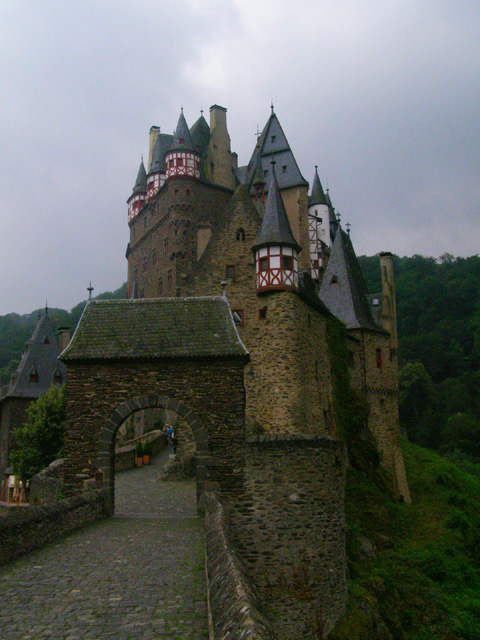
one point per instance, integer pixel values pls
(139, 194)
(182, 159)
(276, 250)
(318, 226)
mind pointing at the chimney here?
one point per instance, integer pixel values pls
(152, 139)
(63, 338)
(389, 305)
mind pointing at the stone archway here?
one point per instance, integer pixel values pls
(106, 441)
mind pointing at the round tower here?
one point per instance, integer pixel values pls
(318, 226)
(156, 175)
(182, 159)
(139, 194)
(276, 250)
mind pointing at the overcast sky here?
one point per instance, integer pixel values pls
(384, 96)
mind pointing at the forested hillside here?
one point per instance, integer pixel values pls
(438, 307)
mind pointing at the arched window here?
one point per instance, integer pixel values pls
(240, 234)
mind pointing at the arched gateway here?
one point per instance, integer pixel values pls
(182, 354)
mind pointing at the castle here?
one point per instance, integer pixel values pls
(197, 219)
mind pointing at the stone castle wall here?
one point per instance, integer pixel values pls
(13, 414)
(163, 237)
(289, 529)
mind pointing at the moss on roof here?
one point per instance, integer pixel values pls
(155, 328)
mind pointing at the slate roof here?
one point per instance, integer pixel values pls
(162, 145)
(141, 181)
(343, 288)
(40, 355)
(273, 145)
(200, 134)
(182, 140)
(276, 228)
(317, 196)
(155, 328)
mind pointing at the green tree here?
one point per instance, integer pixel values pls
(39, 442)
(462, 432)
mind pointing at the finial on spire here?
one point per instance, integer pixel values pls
(257, 133)
(181, 108)
(201, 112)
(339, 217)
(46, 307)
(316, 167)
(90, 289)
(271, 105)
(348, 226)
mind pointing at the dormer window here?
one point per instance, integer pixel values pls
(334, 280)
(33, 375)
(46, 340)
(57, 376)
(284, 168)
(274, 138)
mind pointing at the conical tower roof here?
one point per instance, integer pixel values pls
(317, 196)
(200, 134)
(141, 182)
(40, 358)
(343, 288)
(162, 145)
(276, 228)
(182, 140)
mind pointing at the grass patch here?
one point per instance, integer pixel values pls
(414, 569)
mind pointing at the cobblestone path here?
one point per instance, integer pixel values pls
(137, 575)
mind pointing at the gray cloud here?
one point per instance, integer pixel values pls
(383, 96)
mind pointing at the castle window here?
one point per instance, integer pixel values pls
(46, 340)
(160, 286)
(240, 234)
(378, 358)
(287, 262)
(263, 264)
(142, 292)
(262, 313)
(144, 265)
(180, 162)
(187, 192)
(334, 280)
(274, 138)
(230, 271)
(169, 277)
(33, 375)
(238, 316)
(57, 377)
(284, 168)
(176, 192)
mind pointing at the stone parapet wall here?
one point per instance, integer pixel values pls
(232, 602)
(34, 527)
(289, 530)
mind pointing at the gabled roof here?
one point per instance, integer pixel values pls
(273, 145)
(162, 145)
(182, 140)
(276, 228)
(141, 181)
(155, 328)
(317, 196)
(343, 288)
(41, 358)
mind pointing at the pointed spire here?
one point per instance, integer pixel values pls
(141, 181)
(90, 289)
(318, 196)
(181, 137)
(276, 228)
